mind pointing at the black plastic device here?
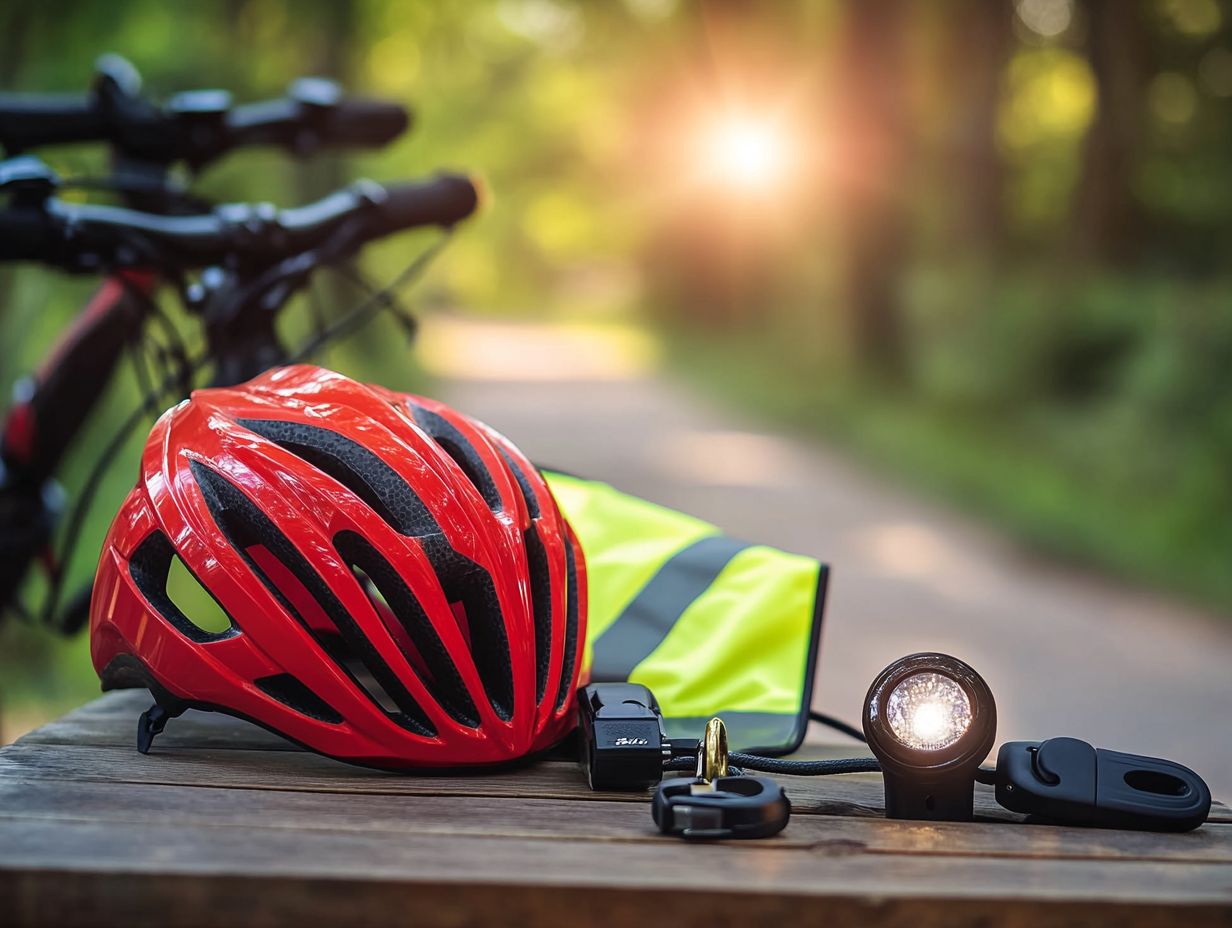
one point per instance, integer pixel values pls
(728, 807)
(930, 784)
(622, 742)
(1068, 781)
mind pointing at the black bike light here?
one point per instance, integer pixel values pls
(930, 720)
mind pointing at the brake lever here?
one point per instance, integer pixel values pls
(238, 313)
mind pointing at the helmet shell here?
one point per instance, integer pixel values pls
(402, 588)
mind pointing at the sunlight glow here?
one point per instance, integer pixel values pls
(750, 153)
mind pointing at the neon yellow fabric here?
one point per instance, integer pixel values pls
(626, 540)
(741, 645)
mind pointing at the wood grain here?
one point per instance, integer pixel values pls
(225, 822)
(111, 721)
(601, 820)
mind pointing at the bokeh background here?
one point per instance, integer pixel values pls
(972, 250)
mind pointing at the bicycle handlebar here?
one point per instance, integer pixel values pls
(87, 237)
(196, 127)
(48, 119)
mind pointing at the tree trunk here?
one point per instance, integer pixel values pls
(873, 136)
(983, 41)
(1108, 222)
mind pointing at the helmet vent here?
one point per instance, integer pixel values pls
(292, 693)
(571, 627)
(287, 574)
(454, 443)
(409, 626)
(528, 492)
(355, 467)
(470, 586)
(541, 601)
(151, 567)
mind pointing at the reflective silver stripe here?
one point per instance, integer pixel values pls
(646, 621)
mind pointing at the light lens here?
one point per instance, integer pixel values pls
(928, 711)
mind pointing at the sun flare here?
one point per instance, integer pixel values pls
(748, 152)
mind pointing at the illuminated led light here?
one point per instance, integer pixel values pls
(930, 719)
(928, 711)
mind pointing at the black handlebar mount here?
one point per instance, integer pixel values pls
(259, 255)
(196, 127)
(38, 226)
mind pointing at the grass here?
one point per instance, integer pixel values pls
(1006, 472)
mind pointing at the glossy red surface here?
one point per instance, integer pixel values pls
(310, 509)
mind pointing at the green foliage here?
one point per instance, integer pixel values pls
(1047, 226)
(1091, 416)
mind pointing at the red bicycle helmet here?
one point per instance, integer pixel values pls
(402, 588)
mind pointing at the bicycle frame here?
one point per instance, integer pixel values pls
(56, 401)
(50, 407)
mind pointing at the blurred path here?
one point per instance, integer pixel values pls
(1065, 652)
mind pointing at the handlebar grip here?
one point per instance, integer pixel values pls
(367, 123)
(441, 201)
(28, 121)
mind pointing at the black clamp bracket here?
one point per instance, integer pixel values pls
(27, 181)
(1068, 781)
(727, 807)
(715, 804)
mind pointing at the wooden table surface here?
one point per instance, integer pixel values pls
(226, 824)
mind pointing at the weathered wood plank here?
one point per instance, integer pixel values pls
(859, 794)
(226, 822)
(444, 871)
(192, 730)
(55, 802)
(112, 720)
(64, 899)
(220, 743)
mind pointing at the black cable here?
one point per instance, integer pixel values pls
(141, 369)
(374, 303)
(805, 768)
(68, 546)
(316, 308)
(797, 768)
(393, 304)
(175, 352)
(85, 498)
(838, 725)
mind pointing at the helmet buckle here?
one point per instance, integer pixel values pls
(152, 722)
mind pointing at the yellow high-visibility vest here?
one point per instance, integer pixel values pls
(712, 625)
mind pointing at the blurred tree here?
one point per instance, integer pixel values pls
(1107, 223)
(873, 142)
(14, 29)
(980, 34)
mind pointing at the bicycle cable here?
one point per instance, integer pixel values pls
(798, 768)
(375, 303)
